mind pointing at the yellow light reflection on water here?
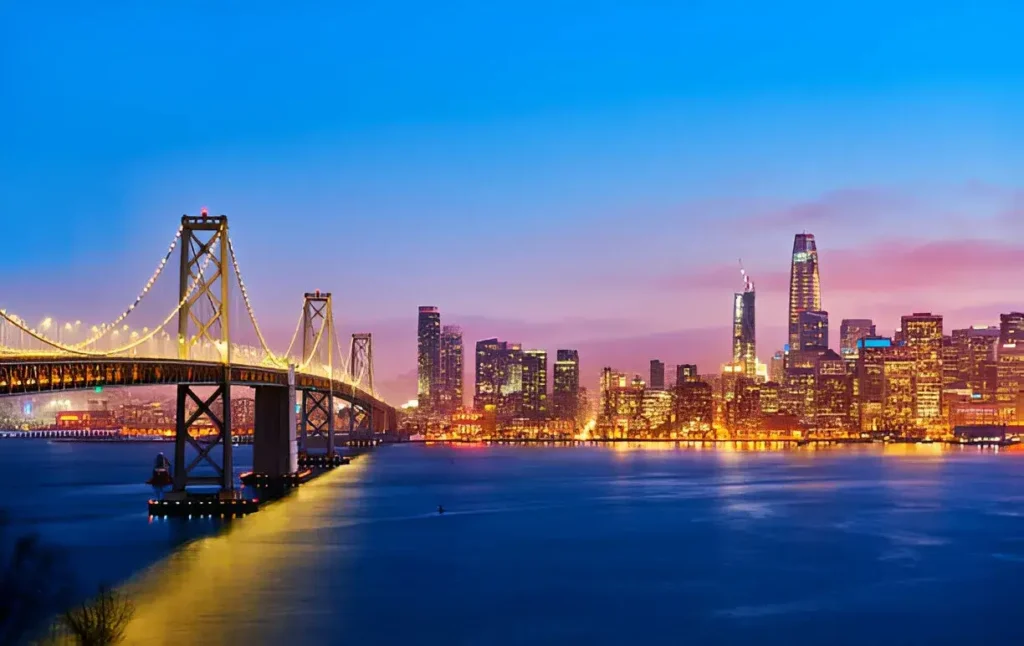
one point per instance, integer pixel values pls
(221, 589)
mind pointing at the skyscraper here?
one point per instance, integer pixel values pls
(565, 398)
(833, 392)
(657, 381)
(535, 384)
(812, 331)
(489, 366)
(428, 361)
(450, 390)
(804, 286)
(851, 331)
(870, 381)
(686, 372)
(744, 346)
(922, 333)
(1011, 328)
(499, 377)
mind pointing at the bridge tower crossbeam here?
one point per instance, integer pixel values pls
(317, 346)
(360, 418)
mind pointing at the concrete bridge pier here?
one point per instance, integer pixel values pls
(274, 452)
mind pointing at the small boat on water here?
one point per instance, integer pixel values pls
(161, 472)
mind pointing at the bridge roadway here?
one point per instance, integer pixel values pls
(28, 375)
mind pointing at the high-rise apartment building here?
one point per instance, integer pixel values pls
(796, 394)
(900, 413)
(1011, 328)
(777, 367)
(870, 381)
(922, 334)
(657, 380)
(499, 378)
(744, 346)
(851, 331)
(428, 360)
(619, 413)
(1009, 393)
(694, 406)
(804, 285)
(812, 332)
(686, 372)
(565, 398)
(950, 356)
(535, 384)
(833, 393)
(450, 392)
(976, 356)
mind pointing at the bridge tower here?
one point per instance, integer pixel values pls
(204, 335)
(317, 347)
(360, 419)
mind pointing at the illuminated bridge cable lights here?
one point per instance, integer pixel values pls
(106, 328)
(93, 353)
(248, 303)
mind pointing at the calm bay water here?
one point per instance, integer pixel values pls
(606, 545)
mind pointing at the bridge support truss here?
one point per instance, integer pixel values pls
(216, 408)
(317, 427)
(204, 334)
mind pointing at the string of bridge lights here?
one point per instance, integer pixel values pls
(13, 320)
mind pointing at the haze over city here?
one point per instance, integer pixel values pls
(582, 176)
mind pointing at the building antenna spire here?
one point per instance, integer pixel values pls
(748, 284)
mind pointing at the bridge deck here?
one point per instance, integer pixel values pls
(22, 375)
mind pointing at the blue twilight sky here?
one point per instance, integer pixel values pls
(599, 166)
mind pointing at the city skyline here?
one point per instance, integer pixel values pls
(904, 159)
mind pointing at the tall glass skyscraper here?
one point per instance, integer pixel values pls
(428, 360)
(450, 391)
(804, 285)
(535, 384)
(567, 385)
(744, 347)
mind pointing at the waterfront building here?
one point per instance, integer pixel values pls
(565, 398)
(770, 398)
(535, 384)
(899, 392)
(428, 360)
(694, 406)
(922, 333)
(656, 411)
(1010, 382)
(499, 378)
(870, 381)
(621, 404)
(833, 393)
(450, 392)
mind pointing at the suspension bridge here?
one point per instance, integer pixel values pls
(313, 395)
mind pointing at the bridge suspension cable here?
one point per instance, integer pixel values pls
(248, 306)
(106, 328)
(15, 321)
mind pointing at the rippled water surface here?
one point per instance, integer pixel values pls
(539, 545)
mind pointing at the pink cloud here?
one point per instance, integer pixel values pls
(855, 206)
(890, 265)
